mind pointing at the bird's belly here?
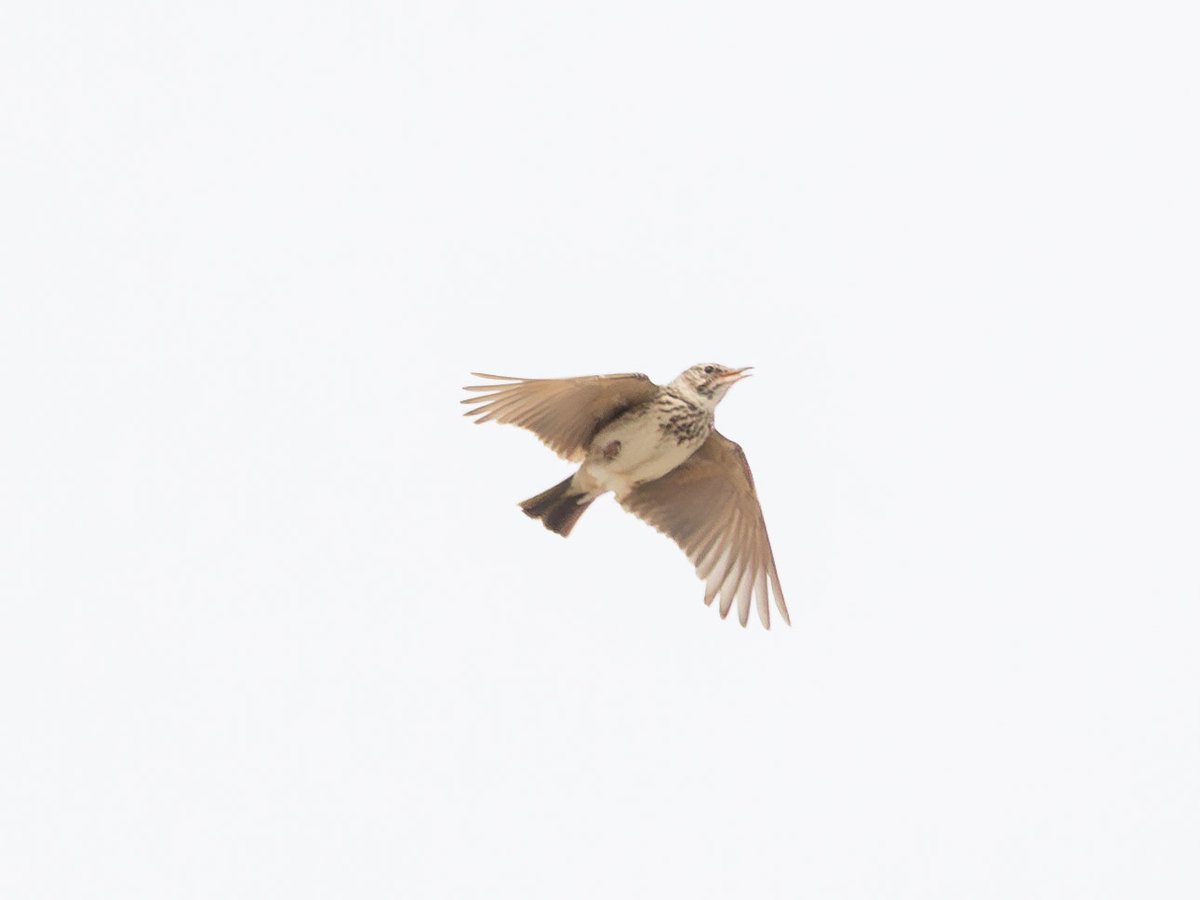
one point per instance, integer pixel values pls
(637, 451)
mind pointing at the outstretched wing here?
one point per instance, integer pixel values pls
(565, 413)
(709, 507)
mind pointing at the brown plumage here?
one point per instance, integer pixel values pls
(656, 449)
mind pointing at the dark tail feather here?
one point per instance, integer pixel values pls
(559, 508)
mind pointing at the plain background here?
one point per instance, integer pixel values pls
(271, 624)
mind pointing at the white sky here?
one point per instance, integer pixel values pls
(271, 624)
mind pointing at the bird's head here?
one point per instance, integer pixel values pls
(707, 383)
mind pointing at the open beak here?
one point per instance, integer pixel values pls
(735, 375)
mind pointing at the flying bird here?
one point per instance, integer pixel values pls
(655, 447)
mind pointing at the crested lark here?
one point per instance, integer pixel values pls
(656, 449)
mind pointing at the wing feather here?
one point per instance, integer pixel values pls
(565, 413)
(709, 507)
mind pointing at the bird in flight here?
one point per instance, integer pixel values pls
(655, 447)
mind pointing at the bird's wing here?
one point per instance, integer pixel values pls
(708, 506)
(565, 413)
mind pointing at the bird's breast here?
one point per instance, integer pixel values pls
(641, 448)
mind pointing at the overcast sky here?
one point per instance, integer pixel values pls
(271, 622)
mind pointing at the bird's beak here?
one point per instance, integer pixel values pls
(735, 375)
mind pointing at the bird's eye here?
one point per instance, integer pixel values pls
(708, 370)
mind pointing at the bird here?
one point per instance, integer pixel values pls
(655, 448)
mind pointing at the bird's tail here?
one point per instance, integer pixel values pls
(560, 507)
